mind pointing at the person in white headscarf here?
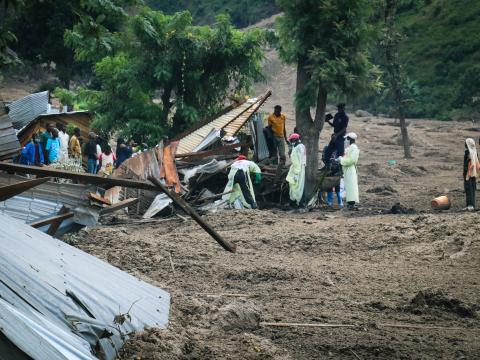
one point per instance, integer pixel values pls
(471, 170)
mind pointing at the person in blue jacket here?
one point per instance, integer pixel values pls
(32, 153)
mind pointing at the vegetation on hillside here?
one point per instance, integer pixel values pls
(242, 12)
(440, 55)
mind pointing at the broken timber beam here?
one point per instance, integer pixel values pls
(9, 191)
(190, 211)
(220, 150)
(87, 178)
(51, 220)
(117, 206)
(56, 223)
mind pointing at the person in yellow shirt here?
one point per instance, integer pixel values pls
(277, 123)
(74, 145)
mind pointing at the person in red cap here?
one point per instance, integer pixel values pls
(240, 184)
(296, 173)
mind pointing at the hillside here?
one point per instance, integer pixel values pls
(442, 53)
(242, 12)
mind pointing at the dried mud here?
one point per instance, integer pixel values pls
(366, 268)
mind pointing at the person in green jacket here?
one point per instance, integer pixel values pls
(239, 181)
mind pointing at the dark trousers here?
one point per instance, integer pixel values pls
(241, 179)
(337, 146)
(470, 186)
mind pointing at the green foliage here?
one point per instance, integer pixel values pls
(40, 27)
(242, 12)
(167, 73)
(441, 52)
(335, 51)
(8, 11)
(66, 97)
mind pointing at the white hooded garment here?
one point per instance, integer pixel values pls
(349, 166)
(296, 173)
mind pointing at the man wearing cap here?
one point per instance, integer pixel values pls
(349, 165)
(339, 124)
(296, 173)
(277, 123)
(240, 184)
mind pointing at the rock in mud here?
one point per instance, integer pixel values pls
(427, 300)
(239, 317)
(399, 209)
(382, 190)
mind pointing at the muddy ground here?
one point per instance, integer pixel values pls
(367, 268)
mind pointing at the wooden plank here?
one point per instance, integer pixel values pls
(99, 198)
(56, 224)
(50, 220)
(86, 178)
(220, 150)
(171, 174)
(120, 205)
(190, 211)
(9, 191)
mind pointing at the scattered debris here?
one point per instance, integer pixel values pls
(382, 190)
(399, 209)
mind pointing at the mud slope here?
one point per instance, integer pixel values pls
(366, 268)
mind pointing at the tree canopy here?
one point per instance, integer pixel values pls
(161, 73)
(329, 42)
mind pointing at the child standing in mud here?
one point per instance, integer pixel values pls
(471, 169)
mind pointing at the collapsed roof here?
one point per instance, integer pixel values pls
(230, 122)
(58, 302)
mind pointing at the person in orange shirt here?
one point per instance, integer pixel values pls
(277, 123)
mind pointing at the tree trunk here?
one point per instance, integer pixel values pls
(309, 129)
(403, 125)
(393, 69)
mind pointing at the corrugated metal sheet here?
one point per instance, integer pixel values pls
(46, 199)
(232, 128)
(9, 143)
(25, 110)
(259, 141)
(231, 122)
(58, 302)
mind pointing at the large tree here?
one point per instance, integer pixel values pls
(328, 41)
(166, 73)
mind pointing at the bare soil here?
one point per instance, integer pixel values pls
(367, 268)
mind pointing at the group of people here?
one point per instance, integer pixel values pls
(48, 147)
(54, 146)
(341, 153)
